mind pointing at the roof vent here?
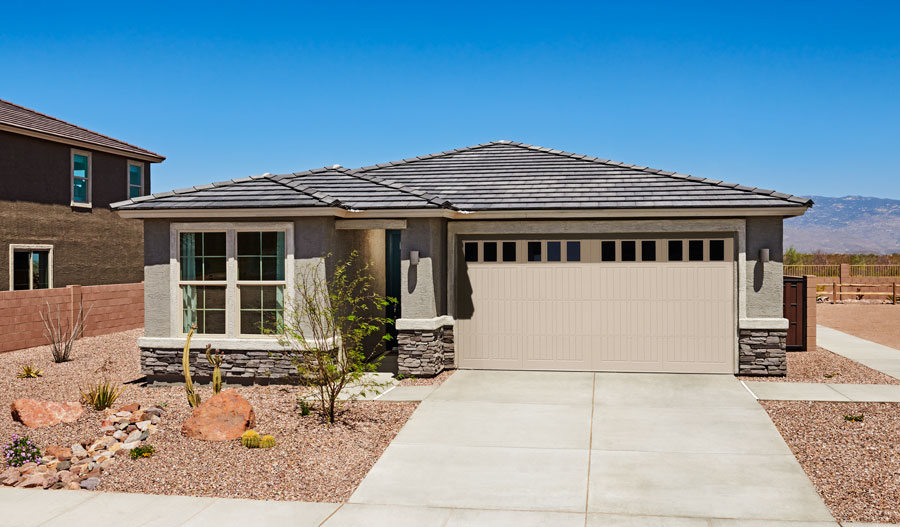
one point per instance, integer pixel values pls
(335, 166)
(267, 174)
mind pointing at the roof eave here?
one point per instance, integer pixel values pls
(151, 157)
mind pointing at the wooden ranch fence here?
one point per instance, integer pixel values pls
(116, 307)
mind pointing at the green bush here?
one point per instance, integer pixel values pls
(102, 395)
(142, 451)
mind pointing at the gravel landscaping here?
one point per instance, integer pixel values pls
(824, 366)
(855, 466)
(310, 462)
(876, 322)
(427, 381)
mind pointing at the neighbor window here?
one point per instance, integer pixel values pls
(203, 281)
(30, 268)
(135, 179)
(676, 251)
(260, 281)
(81, 177)
(509, 251)
(554, 252)
(648, 251)
(629, 251)
(470, 250)
(573, 251)
(534, 251)
(695, 250)
(608, 251)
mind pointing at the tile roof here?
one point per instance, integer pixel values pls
(26, 119)
(500, 175)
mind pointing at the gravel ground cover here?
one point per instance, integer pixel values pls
(855, 466)
(876, 322)
(427, 381)
(310, 462)
(818, 365)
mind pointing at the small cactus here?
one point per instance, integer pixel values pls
(266, 441)
(250, 439)
(192, 396)
(215, 360)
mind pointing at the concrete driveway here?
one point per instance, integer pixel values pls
(541, 448)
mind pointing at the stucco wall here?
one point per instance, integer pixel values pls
(423, 287)
(764, 281)
(156, 278)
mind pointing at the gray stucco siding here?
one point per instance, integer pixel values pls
(157, 292)
(424, 286)
(764, 280)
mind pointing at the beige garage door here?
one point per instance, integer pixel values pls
(644, 305)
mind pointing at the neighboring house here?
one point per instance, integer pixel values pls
(57, 181)
(503, 256)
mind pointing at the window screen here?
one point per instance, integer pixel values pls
(648, 251)
(608, 251)
(676, 251)
(470, 249)
(490, 251)
(717, 250)
(554, 252)
(534, 251)
(695, 250)
(509, 251)
(573, 251)
(629, 248)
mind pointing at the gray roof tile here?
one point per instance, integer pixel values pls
(502, 175)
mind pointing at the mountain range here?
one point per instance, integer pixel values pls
(851, 224)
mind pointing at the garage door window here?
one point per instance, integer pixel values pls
(629, 251)
(648, 251)
(509, 251)
(490, 251)
(534, 251)
(554, 252)
(471, 251)
(608, 251)
(675, 251)
(695, 250)
(573, 251)
(716, 250)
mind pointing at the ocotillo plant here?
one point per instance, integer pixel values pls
(192, 397)
(215, 359)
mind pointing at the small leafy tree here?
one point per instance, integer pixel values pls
(325, 331)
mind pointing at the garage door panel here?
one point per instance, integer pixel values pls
(615, 316)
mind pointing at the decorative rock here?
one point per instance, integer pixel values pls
(108, 430)
(142, 425)
(63, 466)
(133, 437)
(120, 435)
(130, 446)
(36, 480)
(90, 483)
(35, 414)
(10, 476)
(103, 456)
(223, 417)
(115, 447)
(123, 414)
(144, 435)
(154, 419)
(78, 450)
(133, 407)
(158, 412)
(60, 453)
(136, 416)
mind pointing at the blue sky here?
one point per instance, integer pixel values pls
(803, 97)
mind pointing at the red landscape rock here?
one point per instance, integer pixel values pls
(35, 414)
(222, 418)
(133, 407)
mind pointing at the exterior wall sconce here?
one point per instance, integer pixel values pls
(764, 255)
(413, 257)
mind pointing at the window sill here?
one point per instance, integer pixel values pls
(77, 205)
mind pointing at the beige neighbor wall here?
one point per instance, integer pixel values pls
(764, 281)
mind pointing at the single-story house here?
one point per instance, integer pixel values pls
(502, 256)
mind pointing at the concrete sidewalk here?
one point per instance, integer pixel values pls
(814, 391)
(878, 357)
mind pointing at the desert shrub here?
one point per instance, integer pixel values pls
(102, 395)
(854, 418)
(61, 332)
(326, 327)
(142, 451)
(21, 450)
(29, 372)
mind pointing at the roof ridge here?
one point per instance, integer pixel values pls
(329, 201)
(426, 156)
(76, 126)
(430, 198)
(674, 175)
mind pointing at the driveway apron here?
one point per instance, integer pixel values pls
(605, 447)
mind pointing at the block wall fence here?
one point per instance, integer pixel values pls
(115, 307)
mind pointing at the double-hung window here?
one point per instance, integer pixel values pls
(135, 179)
(260, 281)
(232, 279)
(81, 178)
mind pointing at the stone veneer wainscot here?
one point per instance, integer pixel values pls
(426, 347)
(762, 352)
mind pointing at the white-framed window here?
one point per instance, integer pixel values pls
(135, 179)
(30, 267)
(81, 178)
(230, 279)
